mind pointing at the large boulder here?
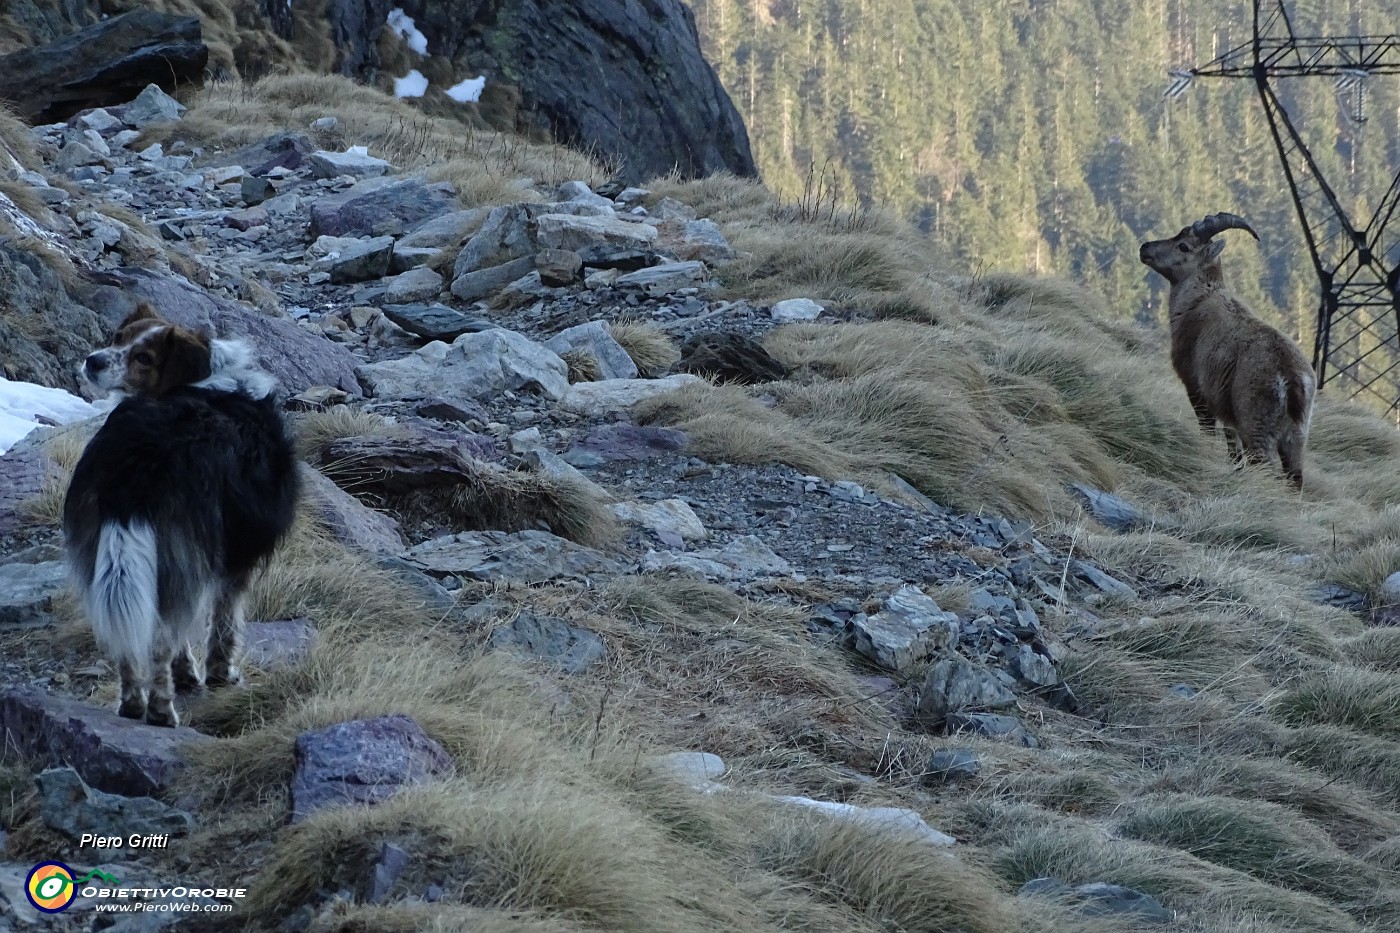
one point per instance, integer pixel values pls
(379, 206)
(624, 78)
(109, 62)
(298, 358)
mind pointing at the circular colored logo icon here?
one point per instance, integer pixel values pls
(50, 887)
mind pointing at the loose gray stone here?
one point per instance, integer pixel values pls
(953, 764)
(597, 339)
(568, 231)
(28, 593)
(1111, 586)
(368, 259)
(694, 768)
(665, 279)
(599, 398)
(795, 309)
(421, 284)
(152, 106)
(334, 164)
(363, 762)
(703, 240)
(272, 645)
(665, 516)
(1100, 899)
(1390, 590)
(435, 321)
(579, 191)
(484, 283)
(558, 267)
(909, 628)
(504, 237)
(473, 366)
(955, 684)
(68, 805)
(993, 726)
(574, 649)
(255, 190)
(411, 257)
(743, 558)
(1108, 510)
(1034, 668)
(896, 819)
(380, 878)
(349, 521)
(519, 557)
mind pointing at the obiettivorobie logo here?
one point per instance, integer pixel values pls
(52, 886)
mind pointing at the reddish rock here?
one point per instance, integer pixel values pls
(112, 754)
(363, 762)
(350, 521)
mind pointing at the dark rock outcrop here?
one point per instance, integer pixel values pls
(106, 63)
(44, 334)
(624, 78)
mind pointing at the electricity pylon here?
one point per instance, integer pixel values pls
(1357, 344)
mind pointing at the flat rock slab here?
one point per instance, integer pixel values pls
(68, 805)
(270, 645)
(379, 207)
(1108, 510)
(350, 521)
(665, 279)
(433, 321)
(116, 755)
(596, 338)
(549, 639)
(518, 557)
(567, 231)
(28, 593)
(357, 165)
(608, 443)
(363, 762)
(599, 398)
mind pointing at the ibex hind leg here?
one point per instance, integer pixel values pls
(1290, 451)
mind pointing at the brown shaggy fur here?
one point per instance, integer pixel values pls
(1236, 369)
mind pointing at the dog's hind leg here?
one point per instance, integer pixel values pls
(160, 711)
(226, 635)
(186, 669)
(133, 705)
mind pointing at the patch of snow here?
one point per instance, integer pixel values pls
(24, 406)
(468, 91)
(401, 23)
(412, 84)
(357, 151)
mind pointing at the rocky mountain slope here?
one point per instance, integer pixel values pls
(621, 79)
(674, 558)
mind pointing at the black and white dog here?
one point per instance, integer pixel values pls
(184, 491)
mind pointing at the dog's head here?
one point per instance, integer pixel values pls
(149, 356)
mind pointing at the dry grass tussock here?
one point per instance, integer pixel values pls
(483, 165)
(650, 347)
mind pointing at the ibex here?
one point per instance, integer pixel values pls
(1236, 369)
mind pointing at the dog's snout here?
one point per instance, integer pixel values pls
(96, 363)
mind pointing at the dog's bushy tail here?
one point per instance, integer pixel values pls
(123, 601)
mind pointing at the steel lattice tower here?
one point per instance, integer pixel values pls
(1357, 344)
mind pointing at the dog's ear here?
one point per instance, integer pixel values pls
(185, 360)
(143, 312)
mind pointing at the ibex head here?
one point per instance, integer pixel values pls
(1191, 250)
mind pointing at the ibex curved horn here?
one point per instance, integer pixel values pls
(1208, 227)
